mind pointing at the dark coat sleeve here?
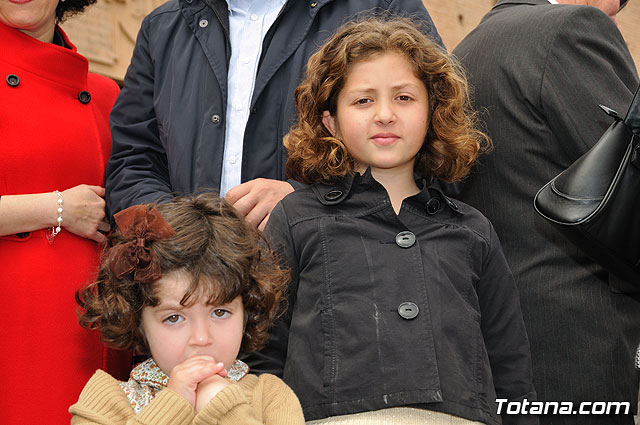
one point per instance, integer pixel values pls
(137, 170)
(271, 359)
(504, 333)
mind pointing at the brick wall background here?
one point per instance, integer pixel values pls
(106, 32)
(455, 18)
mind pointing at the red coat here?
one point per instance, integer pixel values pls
(49, 140)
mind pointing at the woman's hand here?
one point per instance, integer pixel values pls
(186, 376)
(83, 212)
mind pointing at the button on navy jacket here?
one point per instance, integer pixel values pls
(416, 309)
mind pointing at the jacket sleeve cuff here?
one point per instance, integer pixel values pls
(231, 404)
(167, 408)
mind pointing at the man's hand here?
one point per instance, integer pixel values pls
(256, 198)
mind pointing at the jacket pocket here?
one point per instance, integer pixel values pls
(329, 351)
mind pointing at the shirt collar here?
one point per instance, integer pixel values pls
(245, 5)
(149, 373)
(146, 380)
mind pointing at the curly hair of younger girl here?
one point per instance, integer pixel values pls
(224, 256)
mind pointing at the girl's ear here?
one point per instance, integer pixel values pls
(329, 122)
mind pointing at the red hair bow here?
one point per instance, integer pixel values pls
(140, 225)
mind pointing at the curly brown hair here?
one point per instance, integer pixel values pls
(68, 8)
(224, 256)
(452, 141)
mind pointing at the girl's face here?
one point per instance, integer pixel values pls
(36, 18)
(176, 333)
(382, 114)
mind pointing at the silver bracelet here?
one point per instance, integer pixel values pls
(53, 231)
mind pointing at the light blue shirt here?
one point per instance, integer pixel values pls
(249, 21)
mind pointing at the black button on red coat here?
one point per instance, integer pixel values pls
(13, 80)
(84, 97)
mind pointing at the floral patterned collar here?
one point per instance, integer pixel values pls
(147, 379)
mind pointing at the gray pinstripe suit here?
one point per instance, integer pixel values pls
(538, 72)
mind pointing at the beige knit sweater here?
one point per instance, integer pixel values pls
(252, 400)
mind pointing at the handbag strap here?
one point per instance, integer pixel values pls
(632, 120)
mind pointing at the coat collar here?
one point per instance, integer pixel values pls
(48, 60)
(213, 42)
(287, 33)
(355, 185)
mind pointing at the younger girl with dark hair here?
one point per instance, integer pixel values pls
(402, 308)
(191, 284)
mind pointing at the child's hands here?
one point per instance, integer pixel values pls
(208, 388)
(186, 376)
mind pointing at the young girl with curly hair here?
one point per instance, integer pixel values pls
(191, 284)
(402, 306)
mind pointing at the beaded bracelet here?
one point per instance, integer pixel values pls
(53, 231)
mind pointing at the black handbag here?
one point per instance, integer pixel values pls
(596, 200)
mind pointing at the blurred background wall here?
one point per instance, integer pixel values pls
(455, 18)
(106, 32)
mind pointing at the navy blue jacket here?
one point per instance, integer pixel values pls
(415, 309)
